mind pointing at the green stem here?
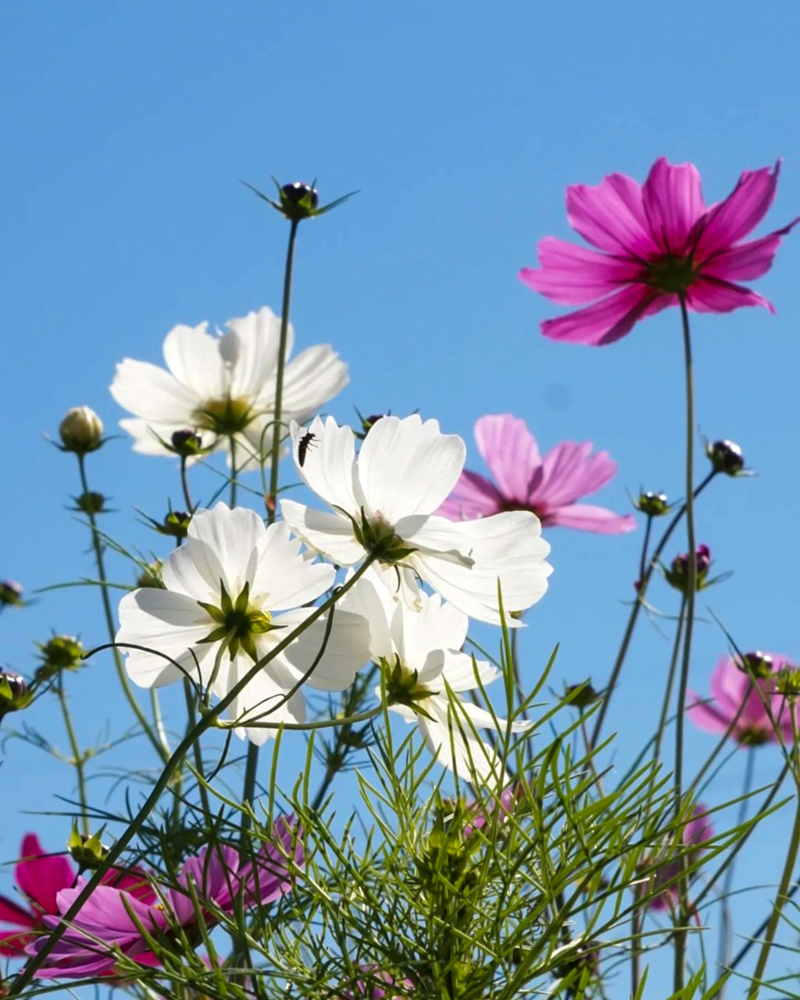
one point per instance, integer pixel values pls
(191, 714)
(187, 496)
(788, 869)
(138, 821)
(232, 442)
(78, 759)
(251, 766)
(637, 606)
(162, 751)
(691, 592)
(725, 922)
(673, 666)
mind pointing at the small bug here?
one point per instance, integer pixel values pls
(303, 446)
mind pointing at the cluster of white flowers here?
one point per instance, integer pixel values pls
(236, 589)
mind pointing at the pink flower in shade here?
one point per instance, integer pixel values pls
(548, 486)
(479, 816)
(370, 989)
(657, 241)
(695, 834)
(111, 920)
(41, 877)
(734, 697)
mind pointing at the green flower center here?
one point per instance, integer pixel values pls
(403, 686)
(671, 274)
(238, 622)
(752, 736)
(224, 416)
(379, 539)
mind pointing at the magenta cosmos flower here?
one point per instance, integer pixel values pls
(735, 701)
(40, 877)
(695, 834)
(548, 486)
(657, 240)
(112, 920)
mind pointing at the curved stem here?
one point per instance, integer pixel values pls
(277, 435)
(691, 593)
(637, 605)
(78, 759)
(726, 930)
(138, 821)
(97, 545)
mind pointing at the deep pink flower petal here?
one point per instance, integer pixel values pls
(271, 876)
(717, 296)
(570, 471)
(40, 877)
(732, 219)
(473, 496)
(611, 216)
(15, 942)
(605, 321)
(748, 260)
(587, 517)
(214, 874)
(572, 274)
(13, 913)
(673, 202)
(510, 451)
(705, 715)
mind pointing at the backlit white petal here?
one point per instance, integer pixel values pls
(156, 396)
(233, 537)
(328, 464)
(251, 349)
(315, 376)
(408, 467)
(343, 653)
(330, 534)
(375, 604)
(283, 578)
(192, 355)
(460, 674)
(434, 627)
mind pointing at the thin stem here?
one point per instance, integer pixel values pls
(673, 666)
(191, 714)
(162, 751)
(754, 937)
(78, 759)
(232, 443)
(788, 868)
(726, 929)
(187, 496)
(204, 723)
(251, 766)
(691, 593)
(645, 544)
(637, 606)
(636, 930)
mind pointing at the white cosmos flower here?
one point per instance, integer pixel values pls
(383, 502)
(420, 655)
(224, 384)
(235, 579)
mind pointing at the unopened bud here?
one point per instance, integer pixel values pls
(298, 193)
(186, 443)
(756, 664)
(725, 456)
(175, 524)
(151, 576)
(81, 430)
(88, 852)
(62, 652)
(678, 573)
(90, 502)
(14, 693)
(585, 696)
(10, 594)
(653, 504)
(787, 681)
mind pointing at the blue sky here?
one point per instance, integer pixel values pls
(127, 129)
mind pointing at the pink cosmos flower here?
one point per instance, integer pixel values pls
(696, 832)
(480, 816)
(41, 877)
(113, 919)
(548, 486)
(735, 698)
(657, 241)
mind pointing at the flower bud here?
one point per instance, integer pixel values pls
(678, 573)
(652, 504)
(62, 652)
(297, 192)
(10, 594)
(175, 524)
(81, 430)
(787, 681)
(186, 443)
(90, 502)
(151, 576)
(88, 852)
(14, 693)
(725, 456)
(756, 664)
(585, 697)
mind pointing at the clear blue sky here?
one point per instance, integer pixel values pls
(127, 128)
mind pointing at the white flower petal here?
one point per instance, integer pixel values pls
(375, 605)
(233, 537)
(251, 349)
(330, 534)
(283, 578)
(149, 392)
(484, 720)
(408, 467)
(345, 652)
(399, 582)
(310, 380)
(456, 747)
(264, 698)
(195, 570)
(460, 675)
(508, 547)
(329, 463)
(434, 627)
(166, 623)
(192, 355)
